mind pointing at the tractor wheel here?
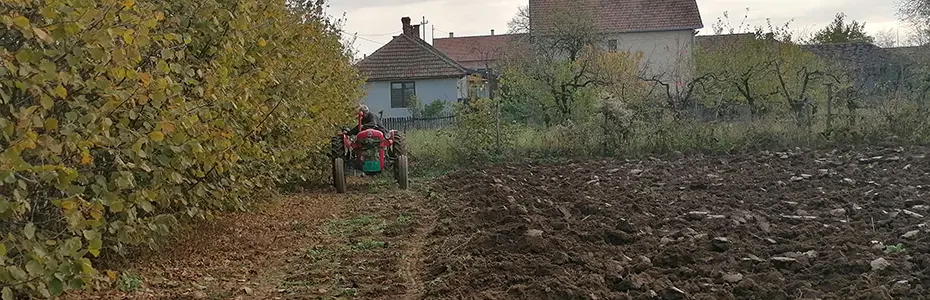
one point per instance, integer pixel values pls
(339, 175)
(337, 146)
(399, 146)
(400, 172)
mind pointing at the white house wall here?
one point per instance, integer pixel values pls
(378, 97)
(667, 55)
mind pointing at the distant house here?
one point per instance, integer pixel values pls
(476, 52)
(409, 67)
(662, 30)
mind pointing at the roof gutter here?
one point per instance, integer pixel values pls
(415, 78)
(651, 30)
(657, 30)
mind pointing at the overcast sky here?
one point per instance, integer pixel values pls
(376, 21)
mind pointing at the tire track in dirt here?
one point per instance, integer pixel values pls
(241, 255)
(372, 252)
(365, 244)
(412, 264)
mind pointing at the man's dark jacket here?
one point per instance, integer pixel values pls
(369, 120)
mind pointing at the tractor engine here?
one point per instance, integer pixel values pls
(371, 151)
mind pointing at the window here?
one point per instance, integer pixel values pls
(612, 45)
(401, 92)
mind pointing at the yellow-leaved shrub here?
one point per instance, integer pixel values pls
(118, 118)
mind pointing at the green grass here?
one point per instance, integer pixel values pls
(400, 225)
(369, 245)
(356, 226)
(317, 254)
(436, 152)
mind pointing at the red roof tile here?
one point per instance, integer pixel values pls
(408, 57)
(616, 16)
(486, 48)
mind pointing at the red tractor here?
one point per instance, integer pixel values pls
(371, 151)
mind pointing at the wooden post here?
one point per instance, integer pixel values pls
(829, 107)
(606, 135)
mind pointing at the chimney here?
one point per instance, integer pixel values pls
(451, 35)
(416, 31)
(492, 31)
(407, 29)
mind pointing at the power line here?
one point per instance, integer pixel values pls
(370, 40)
(383, 34)
(440, 30)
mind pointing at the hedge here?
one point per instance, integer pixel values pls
(120, 119)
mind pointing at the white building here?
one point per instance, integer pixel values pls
(663, 31)
(409, 67)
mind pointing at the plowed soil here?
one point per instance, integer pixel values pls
(780, 225)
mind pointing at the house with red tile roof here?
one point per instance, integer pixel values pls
(662, 30)
(476, 52)
(409, 67)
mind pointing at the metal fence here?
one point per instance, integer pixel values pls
(404, 124)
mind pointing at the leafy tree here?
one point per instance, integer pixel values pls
(435, 108)
(557, 82)
(417, 109)
(118, 119)
(841, 32)
(762, 68)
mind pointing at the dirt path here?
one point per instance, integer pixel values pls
(365, 244)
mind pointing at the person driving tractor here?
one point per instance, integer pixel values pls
(366, 120)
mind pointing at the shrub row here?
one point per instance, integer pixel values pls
(120, 118)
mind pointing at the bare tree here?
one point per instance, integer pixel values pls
(521, 22)
(916, 12)
(887, 38)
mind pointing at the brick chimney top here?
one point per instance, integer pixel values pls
(451, 35)
(410, 30)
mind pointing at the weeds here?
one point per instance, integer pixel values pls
(129, 282)
(356, 226)
(317, 254)
(349, 292)
(369, 245)
(401, 225)
(436, 152)
(894, 249)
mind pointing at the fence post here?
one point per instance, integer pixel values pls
(606, 135)
(829, 107)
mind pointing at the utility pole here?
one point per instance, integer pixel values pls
(423, 25)
(433, 34)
